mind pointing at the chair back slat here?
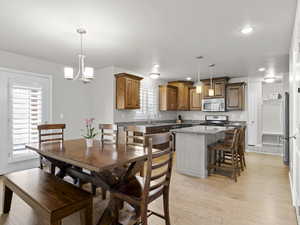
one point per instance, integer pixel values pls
(155, 177)
(159, 165)
(109, 133)
(235, 140)
(241, 144)
(163, 177)
(50, 130)
(135, 135)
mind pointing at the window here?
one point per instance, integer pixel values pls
(148, 102)
(28, 104)
(26, 114)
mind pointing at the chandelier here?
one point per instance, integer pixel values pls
(85, 74)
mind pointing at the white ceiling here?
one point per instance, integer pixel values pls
(135, 34)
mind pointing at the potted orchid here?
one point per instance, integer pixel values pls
(90, 132)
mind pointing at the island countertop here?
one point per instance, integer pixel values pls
(202, 130)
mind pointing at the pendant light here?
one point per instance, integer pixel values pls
(211, 91)
(199, 83)
(155, 74)
(85, 74)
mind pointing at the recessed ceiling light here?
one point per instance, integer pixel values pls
(188, 78)
(247, 30)
(262, 69)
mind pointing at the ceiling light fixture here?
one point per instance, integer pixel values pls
(199, 83)
(188, 78)
(247, 30)
(85, 74)
(262, 69)
(155, 74)
(211, 91)
(269, 79)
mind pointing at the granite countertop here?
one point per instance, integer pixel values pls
(162, 123)
(158, 123)
(202, 130)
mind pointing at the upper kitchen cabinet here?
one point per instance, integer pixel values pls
(168, 97)
(183, 99)
(195, 100)
(235, 96)
(127, 91)
(218, 85)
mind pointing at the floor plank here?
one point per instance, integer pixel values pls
(261, 196)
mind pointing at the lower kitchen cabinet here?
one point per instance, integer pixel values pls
(235, 96)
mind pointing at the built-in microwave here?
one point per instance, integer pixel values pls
(213, 105)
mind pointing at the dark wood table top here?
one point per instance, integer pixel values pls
(97, 158)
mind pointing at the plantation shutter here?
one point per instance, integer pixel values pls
(25, 114)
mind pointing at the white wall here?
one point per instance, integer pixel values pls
(102, 95)
(68, 98)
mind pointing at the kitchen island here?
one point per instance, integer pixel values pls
(191, 148)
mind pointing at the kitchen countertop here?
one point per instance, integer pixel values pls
(157, 123)
(202, 130)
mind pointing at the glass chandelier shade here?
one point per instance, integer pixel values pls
(199, 84)
(211, 91)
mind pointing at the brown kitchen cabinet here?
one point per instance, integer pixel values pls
(168, 97)
(127, 91)
(183, 94)
(235, 96)
(219, 86)
(195, 100)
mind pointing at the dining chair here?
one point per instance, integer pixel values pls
(50, 133)
(135, 136)
(226, 153)
(156, 182)
(109, 133)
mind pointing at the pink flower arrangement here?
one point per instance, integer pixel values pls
(90, 129)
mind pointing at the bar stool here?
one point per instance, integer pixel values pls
(226, 153)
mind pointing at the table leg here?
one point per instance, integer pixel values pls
(7, 199)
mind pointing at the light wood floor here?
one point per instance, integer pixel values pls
(261, 197)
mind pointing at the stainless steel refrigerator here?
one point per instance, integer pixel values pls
(286, 129)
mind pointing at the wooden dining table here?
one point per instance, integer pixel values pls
(110, 166)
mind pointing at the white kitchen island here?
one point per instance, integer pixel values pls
(191, 148)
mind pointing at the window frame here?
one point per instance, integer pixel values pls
(26, 78)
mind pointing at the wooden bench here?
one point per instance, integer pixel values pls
(52, 198)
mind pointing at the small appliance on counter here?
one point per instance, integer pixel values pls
(213, 105)
(179, 120)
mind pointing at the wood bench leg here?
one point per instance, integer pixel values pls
(7, 199)
(86, 216)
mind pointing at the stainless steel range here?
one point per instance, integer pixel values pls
(215, 120)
